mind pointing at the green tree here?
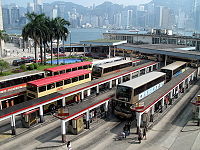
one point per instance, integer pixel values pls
(60, 31)
(35, 29)
(3, 65)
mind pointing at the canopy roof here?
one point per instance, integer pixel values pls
(104, 42)
(57, 78)
(68, 66)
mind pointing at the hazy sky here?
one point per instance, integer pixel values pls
(81, 2)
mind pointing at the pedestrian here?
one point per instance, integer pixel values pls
(145, 133)
(69, 146)
(139, 135)
(129, 127)
(125, 131)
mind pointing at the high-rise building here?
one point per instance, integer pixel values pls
(55, 12)
(48, 9)
(14, 17)
(30, 7)
(37, 6)
(6, 17)
(197, 14)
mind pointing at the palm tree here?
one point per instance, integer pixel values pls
(60, 31)
(3, 36)
(51, 35)
(46, 38)
(35, 30)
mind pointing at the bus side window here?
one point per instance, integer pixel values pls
(68, 81)
(81, 77)
(60, 83)
(50, 86)
(75, 79)
(68, 70)
(74, 69)
(81, 67)
(63, 71)
(86, 76)
(85, 67)
(56, 73)
(42, 88)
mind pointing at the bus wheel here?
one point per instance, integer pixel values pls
(52, 108)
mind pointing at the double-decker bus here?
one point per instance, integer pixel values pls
(174, 69)
(19, 80)
(68, 68)
(132, 91)
(108, 68)
(48, 85)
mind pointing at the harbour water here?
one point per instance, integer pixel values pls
(78, 34)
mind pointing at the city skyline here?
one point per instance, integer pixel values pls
(87, 3)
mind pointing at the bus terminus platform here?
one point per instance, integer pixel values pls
(84, 90)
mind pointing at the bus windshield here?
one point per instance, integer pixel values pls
(123, 93)
(97, 71)
(168, 73)
(32, 88)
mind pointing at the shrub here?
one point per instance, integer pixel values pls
(35, 66)
(17, 70)
(30, 67)
(23, 67)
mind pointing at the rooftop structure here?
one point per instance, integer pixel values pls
(137, 82)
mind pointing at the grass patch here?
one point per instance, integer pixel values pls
(42, 67)
(6, 73)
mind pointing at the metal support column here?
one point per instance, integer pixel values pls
(88, 119)
(41, 114)
(106, 109)
(97, 89)
(165, 60)
(13, 127)
(152, 114)
(82, 95)
(117, 81)
(1, 107)
(110, 84)
(84, 49)
(114, 51)
(109, 52)
(88, 92)
(63, 131)
(138, 116)
(63, 102)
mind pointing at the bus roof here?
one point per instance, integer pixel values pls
(57, 78)
(114, 63)
(139, 81)
(19, 75)
(68, 66)
(174, 65)
(108, 60)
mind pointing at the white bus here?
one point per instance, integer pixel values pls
(131, 92)
(174, 69)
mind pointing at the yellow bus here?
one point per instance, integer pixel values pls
(46, 86)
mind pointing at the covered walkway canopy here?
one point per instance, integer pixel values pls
(164, 49)
(104, 42)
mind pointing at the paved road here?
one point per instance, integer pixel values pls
(165, 135)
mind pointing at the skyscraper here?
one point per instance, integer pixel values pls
(37, 6)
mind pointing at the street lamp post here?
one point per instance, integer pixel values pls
(70, 39)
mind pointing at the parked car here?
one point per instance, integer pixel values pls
(18, 62)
